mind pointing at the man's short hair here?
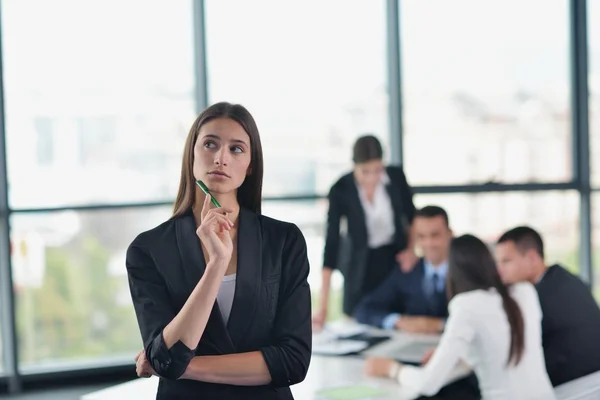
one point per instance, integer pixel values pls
(433, 211)
(525, 239)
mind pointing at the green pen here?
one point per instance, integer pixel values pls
(203, 187)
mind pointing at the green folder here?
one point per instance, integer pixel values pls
(351, 393)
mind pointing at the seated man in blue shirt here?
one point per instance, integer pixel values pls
(415, 301)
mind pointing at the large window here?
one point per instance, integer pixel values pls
(485, 91)
(99, 99)
(72, 296)
(100, 95)
(487, 215)
(312, 73)
(594, 86)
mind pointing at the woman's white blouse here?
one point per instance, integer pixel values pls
(477, 333)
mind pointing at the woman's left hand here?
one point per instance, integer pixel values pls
(380, 367)
(142, 366)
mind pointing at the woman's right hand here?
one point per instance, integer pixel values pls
(214, 232)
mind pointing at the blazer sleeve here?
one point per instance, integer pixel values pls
(332, 238)
(154, 312)
(288, 357)
(381, 302)
(453, 347)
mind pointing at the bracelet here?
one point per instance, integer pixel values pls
(394, 371)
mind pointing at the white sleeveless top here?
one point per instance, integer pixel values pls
(225, 296)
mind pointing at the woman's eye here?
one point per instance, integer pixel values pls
(210, 145)
(237, 149)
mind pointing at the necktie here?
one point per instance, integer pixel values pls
(437, 295)
(435, 283)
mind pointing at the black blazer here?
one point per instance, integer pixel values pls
(349, 252)
(570, 326)
(402, 293)
(271, 309)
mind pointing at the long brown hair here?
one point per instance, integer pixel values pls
(471, 266)
(249, 195)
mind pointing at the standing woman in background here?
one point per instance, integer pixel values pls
(221, 294)
(376, 203)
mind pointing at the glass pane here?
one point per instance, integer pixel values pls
(73, 304)
(314, 77)
(554, 214)
(594, 85)
(486, 96)
(99, 99)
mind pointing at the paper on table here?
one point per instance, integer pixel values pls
(323, 337)
(339, 347)
(345, 329)
(351, 393)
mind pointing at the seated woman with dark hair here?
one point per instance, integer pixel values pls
(493, 329)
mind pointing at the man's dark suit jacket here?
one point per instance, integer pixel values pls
(349, 252)
(271, 310)
(402, 293)
(570, 326)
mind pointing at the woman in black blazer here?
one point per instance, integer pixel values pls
(376, 205)
(221, 294)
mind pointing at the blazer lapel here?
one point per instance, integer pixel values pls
(396, 200)
(190, 250)
(356, 207)
(194, 265)
(248, 282)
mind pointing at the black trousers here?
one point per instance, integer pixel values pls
(380, 262)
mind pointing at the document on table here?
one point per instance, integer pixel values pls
(405, 347)
(338, 347)
(345, 337)
(346, 329)
(351, 393)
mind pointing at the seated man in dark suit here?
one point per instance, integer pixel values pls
(414, 301)
(571, 316)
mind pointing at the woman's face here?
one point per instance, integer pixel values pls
(368, 174)
(222, 155)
